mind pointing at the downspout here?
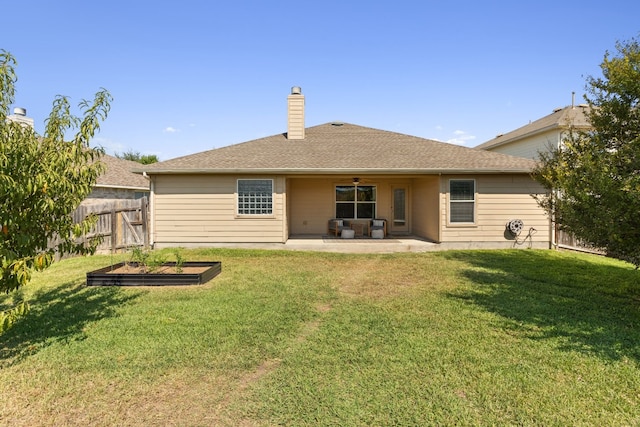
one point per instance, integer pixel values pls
(152, 215)
(441, 189)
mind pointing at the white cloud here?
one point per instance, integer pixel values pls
(108, 145)
(461, 138)
(170, 129)
(439, 127)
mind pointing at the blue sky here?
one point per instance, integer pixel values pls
(194, 75)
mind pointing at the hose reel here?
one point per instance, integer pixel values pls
(515, 226)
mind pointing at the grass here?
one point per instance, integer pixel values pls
(293, 338)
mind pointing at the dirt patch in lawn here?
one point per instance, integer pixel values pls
(133, 269)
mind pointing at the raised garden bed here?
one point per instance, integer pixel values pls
(132, 274)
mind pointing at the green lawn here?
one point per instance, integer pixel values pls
(297, 338)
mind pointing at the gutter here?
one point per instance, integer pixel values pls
(361, 171)
(121, 187)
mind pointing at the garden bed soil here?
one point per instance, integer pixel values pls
(132, 274)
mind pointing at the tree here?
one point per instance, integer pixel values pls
(593, 180)
(43, 179)
(135, 156)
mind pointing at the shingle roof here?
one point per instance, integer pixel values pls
(119, 174)
(560, 119)
(342, 147)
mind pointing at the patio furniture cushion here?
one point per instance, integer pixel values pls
(377, 234)
(347, 233)
(335, 226)
(378, 224)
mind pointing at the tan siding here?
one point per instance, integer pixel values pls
(202, 209)
(312, 205)
(424, 212)
(295, 127)
(499, 199)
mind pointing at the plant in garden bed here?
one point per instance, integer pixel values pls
(179, 260)
(146, 261)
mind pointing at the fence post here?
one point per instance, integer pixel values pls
(144, 207)
(114, 228)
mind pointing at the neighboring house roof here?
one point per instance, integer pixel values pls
(119, 174)
(343, 147)
(560, 119)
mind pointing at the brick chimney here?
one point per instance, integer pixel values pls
(295, 114)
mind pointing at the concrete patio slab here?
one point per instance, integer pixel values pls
(327, 244)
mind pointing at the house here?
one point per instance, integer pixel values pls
(116, 200)
(291, 184)
(20, 116)
(119, 199)
(118, 182)
(542, 135)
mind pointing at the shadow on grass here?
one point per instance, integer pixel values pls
(59, 315)
(584, 306)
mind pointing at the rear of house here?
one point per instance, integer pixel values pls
(460, 210)
(292, 184)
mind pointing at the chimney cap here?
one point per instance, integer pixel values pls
(296, 90)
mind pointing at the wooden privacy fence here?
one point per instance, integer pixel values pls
(565, 240)
(122, 224)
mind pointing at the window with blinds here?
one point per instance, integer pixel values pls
(462, 201)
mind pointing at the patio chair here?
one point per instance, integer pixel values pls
(378, 224)
(336, 226)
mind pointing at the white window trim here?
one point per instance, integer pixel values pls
(475, 204)
(237, 201)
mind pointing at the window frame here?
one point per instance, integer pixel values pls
(355, 202)
(243, 214)
(473, 201)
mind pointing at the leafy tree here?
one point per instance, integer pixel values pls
(135, 156)
(594, 178)
(43, 179)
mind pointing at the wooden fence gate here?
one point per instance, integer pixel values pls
(122, 224)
